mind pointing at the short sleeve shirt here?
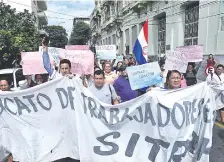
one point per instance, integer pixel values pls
(104, 94)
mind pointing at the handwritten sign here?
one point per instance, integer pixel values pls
(192, 53)
(77, 47)
(54, 53)
(82, 61)
(176, 61)
(106, 52)
(144, 75)
(32, 63)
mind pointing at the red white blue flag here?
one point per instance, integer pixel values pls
(141, 45)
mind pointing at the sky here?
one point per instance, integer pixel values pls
(68, 9)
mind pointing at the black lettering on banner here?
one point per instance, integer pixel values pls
(48, 100)
(187, 105)
(194, 109)
(173, 115)
(91, 107)
(29, 98)
(160, 122)
(193, 143)
(84, 102)
(126, 115)
(178, 157)
(156, 147)
(200, 106)
(131, 144)
(148, 114)
(203, 148)
(1, 107)
(59, 92)
(71, 97)
(6, 105)
(140, 120)
(102, 114)
(205, 112)
(113, 115)
(21, 106)
(114, 146)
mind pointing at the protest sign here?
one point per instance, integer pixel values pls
(176, 61)
(77, 47)
(32, 63)
(201, 71)
(54, 53)
(144, 75)
(119, 58)
(82, 61)
(106, 52)
(62, 119)
(192, 53)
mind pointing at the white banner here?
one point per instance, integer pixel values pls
(62, 119)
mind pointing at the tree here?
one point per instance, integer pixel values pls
(81, 34)
(18, 33)
(58, 36)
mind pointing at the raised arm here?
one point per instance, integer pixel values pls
(46, 59)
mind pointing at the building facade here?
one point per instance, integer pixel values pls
(37, 7)
(171, 24)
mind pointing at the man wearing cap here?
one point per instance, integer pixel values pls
(122, 86)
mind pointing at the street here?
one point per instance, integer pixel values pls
(217, 151)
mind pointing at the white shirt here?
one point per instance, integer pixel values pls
(214, 79)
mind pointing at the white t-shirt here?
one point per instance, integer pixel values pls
(214, 79)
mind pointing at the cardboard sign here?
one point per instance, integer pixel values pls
(32, 63)
(106, 52)
(192, 53)
(145, 75)
(176, 61)
(82, 61)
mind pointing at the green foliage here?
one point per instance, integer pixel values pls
(58, 36)
(18, 33)
(81, 34)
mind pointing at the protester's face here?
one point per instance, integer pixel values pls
(39, 79)
(10, 159)
(162, 67)
(99, 80)
(126, 61)
(210, 56)
(124, 73)
(219, 70)
(190, 68)
(64, 69)
(4, 86)
(119, 65)
(107, 68)
(174, 81)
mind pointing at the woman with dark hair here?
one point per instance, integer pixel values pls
(190, 75)
(119, 63)
(173, 80)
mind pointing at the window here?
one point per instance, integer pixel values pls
(222, 23)
(191, 25)
(127, 41)
(109, 40)
(114, 39)
(134, 34)
(162, 35)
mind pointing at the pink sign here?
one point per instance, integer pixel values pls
(32, 63)
(82, 61)
(192, 53)
(77, 47)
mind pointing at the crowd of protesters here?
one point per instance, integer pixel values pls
(110, 83)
